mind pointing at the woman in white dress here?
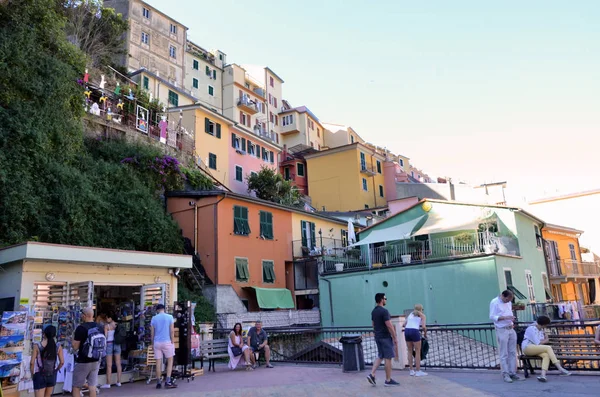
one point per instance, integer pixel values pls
(236, 348)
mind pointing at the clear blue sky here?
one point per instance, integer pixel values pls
(475, 90)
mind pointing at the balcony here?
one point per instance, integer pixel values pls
(564, 269)
(247, 105)
(270, 136)
(367, 169)
(338, 258)
(289, 127)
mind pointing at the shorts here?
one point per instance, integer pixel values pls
(112, 348)
(256, 349)
(412, 335)
(385, 348)
(41, 382)
(163, 350)
(86, 372)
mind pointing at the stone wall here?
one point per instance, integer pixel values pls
(271, 319)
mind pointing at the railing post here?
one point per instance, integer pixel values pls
(398, 323)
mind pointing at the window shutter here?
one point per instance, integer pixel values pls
(241, 117)
(244, 144)
(272, 157)
(275, 101)
(257, 150)
(241, 94)
(214, 74)
(219, 131)
(303, 229)
(248, 121)
(313, 237)
(207, 71)
(233, 140)
(206, 125)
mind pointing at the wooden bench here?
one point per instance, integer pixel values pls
(212, 350)
(569, 349)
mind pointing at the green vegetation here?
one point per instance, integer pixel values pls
(270, 185)
(205, 312)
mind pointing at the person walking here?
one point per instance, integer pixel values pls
(89, 343)
(502, 315)
(535, 344)
(412, 335)
(385, 338)
(43, 363)
(162, 337)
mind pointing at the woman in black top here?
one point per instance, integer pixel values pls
(43, 363)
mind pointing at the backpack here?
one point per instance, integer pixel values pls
(47, 366)
(120, 334)
(94, 347)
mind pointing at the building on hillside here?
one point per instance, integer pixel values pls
(204, 75)
(577, 210)
(336, 135)
(360, 218)
(292, 165)
(570, 277)
(226, 150)
(154, 41)
(451, 257)
(420, 175)
(167, 93)
(247, 248)
(346, 178)
(251, 96)
(300, 126)
(248, 153)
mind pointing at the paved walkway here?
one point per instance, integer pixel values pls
(295, 380)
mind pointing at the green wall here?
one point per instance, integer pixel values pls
(452, 292)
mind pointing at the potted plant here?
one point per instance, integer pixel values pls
(354, 253)
(339, 267)
(518, 305)
(414, 247)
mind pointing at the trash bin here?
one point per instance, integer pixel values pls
(353, 356)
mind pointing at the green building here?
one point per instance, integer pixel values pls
(451, 257)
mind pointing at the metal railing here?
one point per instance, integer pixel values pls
(572, 268)
(406, 252)
(367, 168)
(319, 246)
(247, 103)
(467, 346)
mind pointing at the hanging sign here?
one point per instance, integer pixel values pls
(141, 121)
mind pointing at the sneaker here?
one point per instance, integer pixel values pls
(516, 378)
(508, 379)
(270, 365)
(420, 373)
(118, 384)
(105, 386)
(412, 372)
(542, 379)
(391, 382)
(159, 386)
(564, 373)
(170, 385)
(371, 380)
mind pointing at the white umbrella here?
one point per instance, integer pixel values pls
(351, 234)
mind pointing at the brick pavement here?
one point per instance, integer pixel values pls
(296, 380)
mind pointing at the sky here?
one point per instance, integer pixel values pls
(478, 91)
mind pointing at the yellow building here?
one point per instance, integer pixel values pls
(212, 138)
(336, 135)
(346, 178)
(571, 279)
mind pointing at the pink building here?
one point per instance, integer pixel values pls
(248, 152)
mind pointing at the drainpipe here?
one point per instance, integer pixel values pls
(195, 228)
(330, 300)
(374, 192)
(216, 234)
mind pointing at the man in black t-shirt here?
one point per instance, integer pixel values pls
(86, 369)
(385, 338)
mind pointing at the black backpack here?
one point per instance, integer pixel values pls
(120, 335)
(47, 365)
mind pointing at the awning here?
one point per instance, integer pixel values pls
(392, 233)
(516, 292)
(274, 298)
(444, 218)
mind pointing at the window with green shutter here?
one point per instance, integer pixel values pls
(239, 174)
(212, 161)
(268, 271)
(308, 230)
(195, 64)
(266, 225)
(240, 221)
(378, 167)
(208, 71)
(146, 83)
(241, 269)
(211, 90)
(195, 83)
(173, 98)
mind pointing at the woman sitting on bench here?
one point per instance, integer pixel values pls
(535, 344)
(236, 348)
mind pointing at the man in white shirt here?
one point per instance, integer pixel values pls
(502, 315)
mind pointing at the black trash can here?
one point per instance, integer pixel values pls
(353, 356)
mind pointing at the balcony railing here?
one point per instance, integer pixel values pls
(408, 251)
(289, 177)
(247, 105)
(367, 169)
(568, 268)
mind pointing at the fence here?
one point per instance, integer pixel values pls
(467, 346)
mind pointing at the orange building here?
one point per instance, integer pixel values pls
(571, 279)
(242, 241)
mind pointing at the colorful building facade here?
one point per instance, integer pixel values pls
(346, 178)
(300, 127)
(204, 75)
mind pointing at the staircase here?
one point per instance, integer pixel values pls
(196, 275)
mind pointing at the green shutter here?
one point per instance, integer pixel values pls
(206, 125)
(303, 229)
(244, 144)
(313, 237)
(272, 157)
(266, 224)
(233, 140)
(207, 71)
(268, 271)
(258, 150)
(218, 130)
(241, 269)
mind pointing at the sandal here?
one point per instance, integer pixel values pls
(249, 367)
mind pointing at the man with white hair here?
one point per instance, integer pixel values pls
(89, 344)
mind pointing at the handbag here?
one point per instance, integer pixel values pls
(120, 334)
(236, 350)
